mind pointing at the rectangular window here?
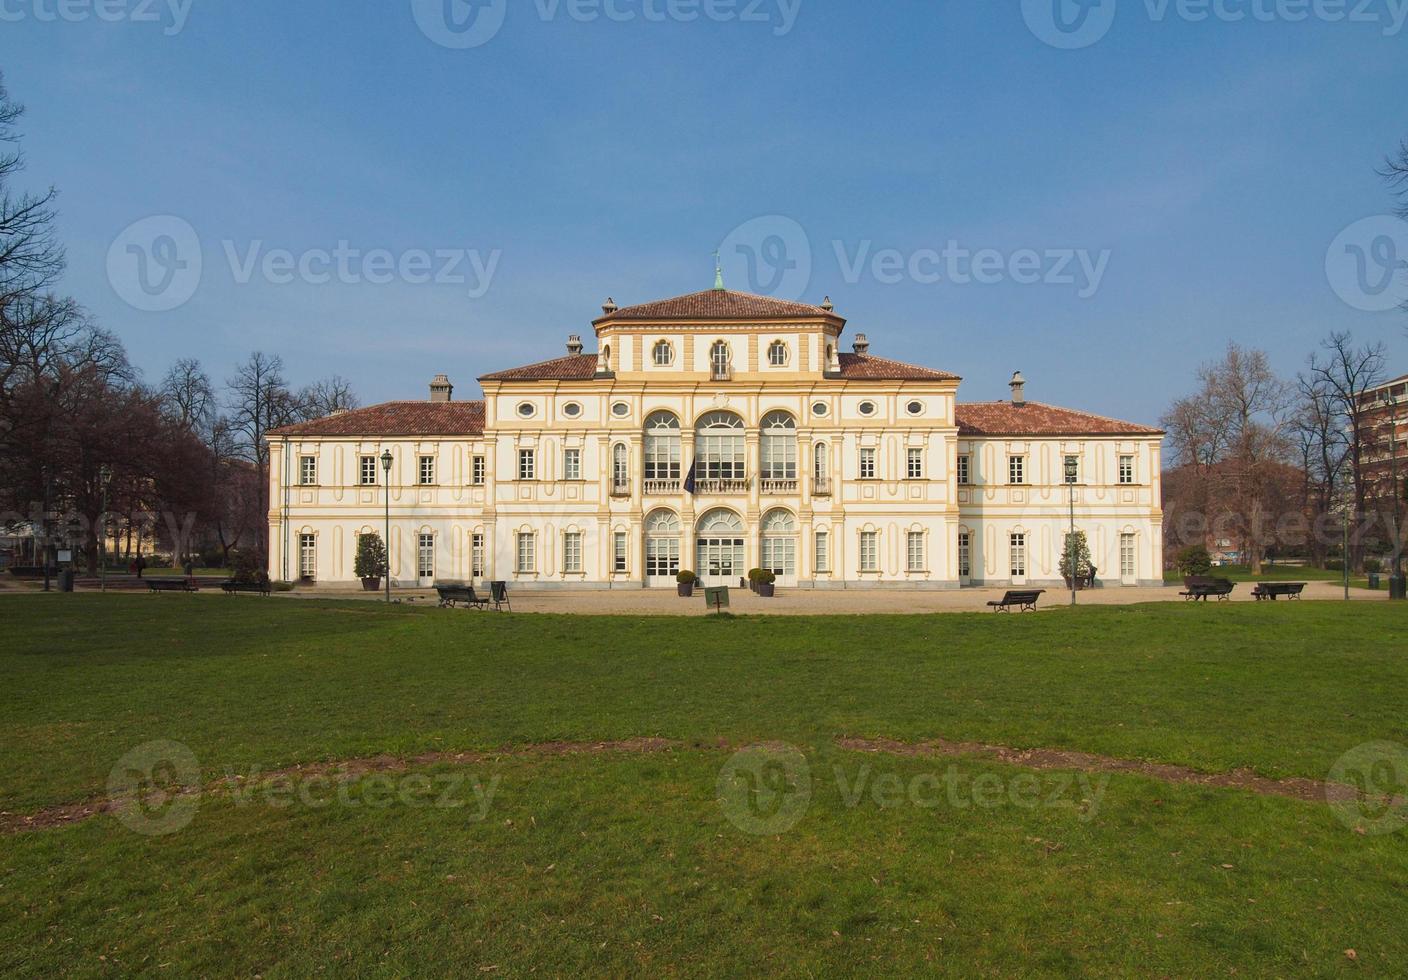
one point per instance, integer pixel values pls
(1127, 557)
(916, 464)
(963, 472)
(1127, 470)
(572, 551)
(1070, 469)
(915, 550)
(1019, 555)
(867, 464)
(308, 470)
(425, 556)
(527, 464)
(823, 551)
(571, 464)
(870, 551)
(307, 556)
(476, 472)
(618, 552)
(527, 553)
(368, 467)
(1016, 470)
(965, 555)
(427, 471)
(476, 556)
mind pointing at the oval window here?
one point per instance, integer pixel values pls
(620, 410)
(867, 408)
(527, 410)
(915, 408)
(819, 409)
(571, 410)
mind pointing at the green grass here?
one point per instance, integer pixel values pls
(618, 863)
(1280, 573)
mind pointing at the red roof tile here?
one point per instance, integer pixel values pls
(866, 367)
(396, 419)
(1035, 419)
(574, 367)
(720, 304)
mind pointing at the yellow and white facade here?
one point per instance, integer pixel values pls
(716, 432)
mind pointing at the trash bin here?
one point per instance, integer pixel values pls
(1373, 580)
(1396, 586)
(65, 580)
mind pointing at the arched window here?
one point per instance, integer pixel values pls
(779, 550)
(719, 547)
(821, 471)
(779, 446)
(662, 447)
(720, 451)
(620, 469)
(719, 360)
(777, 353)
(662, 546)
(663, 354)
(720, 522)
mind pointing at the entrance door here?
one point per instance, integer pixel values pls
(719, 548)
(1129, 566)
(1019, 559)
(662, 549)
(425, 561)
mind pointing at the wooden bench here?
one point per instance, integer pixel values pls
(230, 588)
(1272, 590)
(1202, 586)
(453, 595)
(172, 585)
(1023, 599)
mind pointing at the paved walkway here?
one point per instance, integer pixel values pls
(794, 602)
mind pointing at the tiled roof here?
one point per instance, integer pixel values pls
(574, 367)
(396, 419)
(865, 367)
(1035, 419)
(720, 304)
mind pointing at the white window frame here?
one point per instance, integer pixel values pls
(915, 552)
(965, 469)
(867, 463)
(822, 558)
(1126, 471)
(914, 464)
(571, 464)
(1016, 470)
(427, 471)
(1017, 554)
(308, 471)
(476, 556)
(620, 553)
(478, 470)
(779, 447)
(777, 354)
(308, 556)
(526, 557)
(368, 469)
(572, 552)
(422, 552)
(665, 348)
(1129, 557)
(869, 555)
(965, 554)
(527, 464)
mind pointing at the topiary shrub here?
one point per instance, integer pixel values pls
(686, 578)
(1194, 560)
(371, 557)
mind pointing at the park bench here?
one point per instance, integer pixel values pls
(1024, 600)
(1202, 586)
(230, 588)
(452, 595)
(172, 585)
(1273, 590)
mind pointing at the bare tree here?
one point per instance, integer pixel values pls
(323, 398)
(187, 396)
(1322, 445)
(31, 259)
(260, 400)
(1395, 171)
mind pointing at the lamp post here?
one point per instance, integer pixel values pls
(1395, 581)
(386, 462)
(44, 526)
(1071, 475)
(104, 478)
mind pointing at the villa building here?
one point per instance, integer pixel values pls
(716, 432)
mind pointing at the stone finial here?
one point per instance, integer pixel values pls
(609, 307)
(827, 305)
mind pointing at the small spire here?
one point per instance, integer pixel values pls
(718, 272)
(827, 305)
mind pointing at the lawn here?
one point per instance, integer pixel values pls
(1281, 573)
(624, 861)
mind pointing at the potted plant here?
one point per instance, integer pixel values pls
(766, 586)
(755, 575)
(370, 565)
(1075, 560)
(686, 582)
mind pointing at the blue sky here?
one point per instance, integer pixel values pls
(1203, 166)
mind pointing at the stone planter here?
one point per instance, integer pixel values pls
(766, 589)
(685, 589)
(371, 584)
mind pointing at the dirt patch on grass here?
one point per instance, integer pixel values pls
(1310, 790)
(60, 816)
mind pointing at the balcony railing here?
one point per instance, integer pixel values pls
(721, 486)
(721, 372)
(778, 485)
(620, 489)
(821, 488)
(662, 488)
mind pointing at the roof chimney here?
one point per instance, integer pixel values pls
(827, 305)
(862, 344)
(609, 307)
(1018, 384)
(441, 390)
(574, 344)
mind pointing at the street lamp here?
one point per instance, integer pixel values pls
(1395, 581)
(104, 478)
(386, 462)
(1071, 474)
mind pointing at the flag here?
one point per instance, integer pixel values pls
(689, 478)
